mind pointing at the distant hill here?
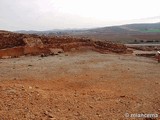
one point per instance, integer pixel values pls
(130, 28)
(152, 27)
(124, 34)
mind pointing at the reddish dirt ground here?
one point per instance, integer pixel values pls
(78, 86)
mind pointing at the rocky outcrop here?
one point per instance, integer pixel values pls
(12, 52)
(10, 40)
(14, 44)
(33, 42)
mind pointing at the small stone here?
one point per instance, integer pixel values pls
(77, 114)
(44, 55)
(36, 87)
(98, 114)
(48, 114)
(23, 88)
(122, 96)
(90, 106)
(156, 83)
(30, 87)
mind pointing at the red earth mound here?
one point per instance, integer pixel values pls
(15, 44)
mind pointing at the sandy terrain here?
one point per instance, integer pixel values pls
(78, 86)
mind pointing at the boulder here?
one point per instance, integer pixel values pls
(32, 42)
(56, 51)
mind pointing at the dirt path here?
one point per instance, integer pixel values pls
(78, 86)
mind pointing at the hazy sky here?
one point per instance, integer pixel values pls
(59, 14)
